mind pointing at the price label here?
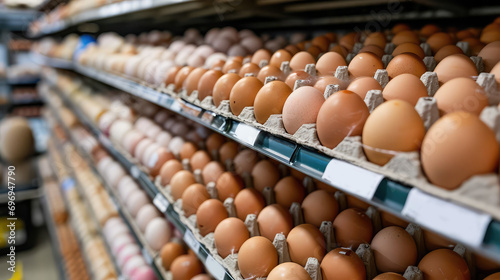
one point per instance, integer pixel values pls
(176, 106)
(161, 202)
(135, 172)
(460, 223)
(351, 178)
(147, 256)
(215, 268)
(68, 184)
(191, 241)
(246, 133)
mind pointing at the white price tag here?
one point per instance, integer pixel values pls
(147, 256)
(460, 223)
(191, 241)
(352, 178)
(135, 172)
(246, 133)
(176, 106)
(215, 268)
(161, 202)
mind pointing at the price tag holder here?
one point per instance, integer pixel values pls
(246, 133)
(352, 178)
(215, 268)
(191, 241)
(161, 202)
(462, 224)
(135, 172)
(147, 256)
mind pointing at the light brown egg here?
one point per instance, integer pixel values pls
(454, 137)
(406, 36)
(199, 159)
(181, 76)
(228, 185)
(185, 267)
(171, 74)
(265, 174)
(394, 250)
(248, 201)
(343, 51)
(244, 161)
(169, 252)
(260, 55)
(244, 93)
(228, 150)
(447, 51)
(342, 264)
(249, 68)
(438, 40)
(409, 48)
(187, 150)
(406, 63)
(270, 71)
(207, 83)
(270, 100)
(362, 85)
(461, 94)
(494, 276)
(299, 75)
(300, 60)
(212, 171)
(193, 197)
(455, 66)
(349, 112)
(210, 213)
(229, 235)
(490, 55)
(427, 30)
(389, 276)
(180, 182)
(393, 126)
(305, 241)
(288, 270)
(321, 42)
(323, 81)
(232, 65)
(352, 228)
(405, 87)
(377, 39)
(319, 206)
(327, 64)
(257, 257)
(349, 40)
(364, 64)
(434, 241)
(376, 50)
(485, 264)
(444, 264)
(274, 219)
(279, 57)
(302, 107)
(192, 80)
(289, 190)
(168, 170)
(223, 87)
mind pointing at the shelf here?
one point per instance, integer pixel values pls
(16, 19)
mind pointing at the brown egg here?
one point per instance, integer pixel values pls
(406, 63)
(192, 80)
(228, 185)
(405, 87)
(171, 74)
(270, 71)
(349, 112)
(343, 51)
(223, 87)
(248, 201)
(185, 267)
(435, 241)
(249, 68)
(302, 107)
(193, 197)
(438, 40)
(168, 170)
(427, 30)
(210, 213)
(305, 241)
(260, 55)
(475, 46)
(349, 40)
(376, 50)
(265, 174)
(394, 250)
(406, 36)
(314, 51)
(199, 160)
(232, 65)
(319, 206)
(292, 49)
(490, 36)
(393, 126)
(342, 264)
(491, 55)
(399, 27)
(207, 83)
(180, 182)
(169, 252)
(228, 150)
(274, 219)
(287, 271)
(212, 171)
(214, 142)
(389, 219)
(455, 66)
(300, 60)
(321, 42)
(270, 100)
(229, 235)
(244, 93)
(287, 191)
(202, 277)
(323, 81)
(377, 39)
(485, 264)
(181, 76)
(327, 64)
(447, 51)
(364, 64)
(299, 75)
(352, 228)
(187, 150)
(279, 57)
(454, 137)
(495, 276)
(389, 276)
(461, 94)
(409, 48)
(257, 257)
(444, 264)
(244, 161)
(159, 157)
(362, 85)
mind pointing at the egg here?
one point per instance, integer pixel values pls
(490, 55)
(292, 49)
(201, 277)
(249, 68)
(131, 139)
(343, 51)
(364, 64)
(349, 112)
(444, 264)
(228, 150)
(168, 170)
(222, 88)
(248, 201)
(118, 130)
(455, 66)
(376, 50)
(406, 63)
(188, 149)
(260, 55)
(461, 94)
(429, 29)
(169, 252)
(207, 82)
(349, 40)
(362, 85)
(243, 94)
(307, 79)
(181, 76)
(244, 161)
(171, 74)
(327, 64)
(257, 257)
(305, 241)
(185, 267)
(180, 182)
(279, 57)
(447, 51)
(163, 139)
(270, 71)
(409, 48)
(288, 270)
(438, 40)
(147, 213)
(302, 107)
(135, 201)
(352, 228)
(228, 185)
(389, 276)
(143, 273)
(393, 126)
(156, 160)
(175, 144)
(323, 81)
(377, 39)
(289, 190)
(274, 219)
(132, 264)
(453, 138)
(209, 214)
(157, 233)
(199, 159)
(394, 250)
(127, 253)
(265, 174)
(193, 197)
(319, 206)
(405, 36)
(405, 87)
(212, 171)
(229, 235)
(232, 65)
(270, 100)
(494, 276)
(342, 264)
